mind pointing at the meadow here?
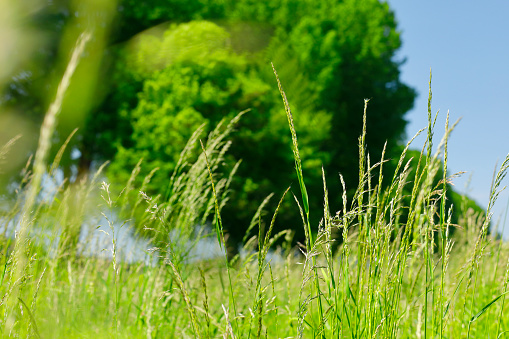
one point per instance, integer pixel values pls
(388, 277)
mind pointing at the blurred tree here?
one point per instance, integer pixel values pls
(156, 87)
(135, 16)
(192, 78)
(331, 59)
(330, 56)
(55, 25)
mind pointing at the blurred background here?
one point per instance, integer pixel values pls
(157, 70)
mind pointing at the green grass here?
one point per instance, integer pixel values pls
(386, 279)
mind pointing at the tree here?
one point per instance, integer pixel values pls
(342, 52)
(161, 85)
(336, 55)
(205, 84)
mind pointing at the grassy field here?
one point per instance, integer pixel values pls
(387, 278)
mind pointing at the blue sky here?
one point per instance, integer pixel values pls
(466, 45)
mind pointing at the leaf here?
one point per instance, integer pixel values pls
(485, 308)
(351, 295)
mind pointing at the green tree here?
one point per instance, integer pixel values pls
(341, 52)
(330, 56)
(205, 84)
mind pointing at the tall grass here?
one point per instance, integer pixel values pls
(398, 272)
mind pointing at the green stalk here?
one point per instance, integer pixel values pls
(426, 237)
(220, 233)
(442, 228)
(430, 171)
(47, 129)
(303, 190)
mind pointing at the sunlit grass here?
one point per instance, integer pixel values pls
(386, 279)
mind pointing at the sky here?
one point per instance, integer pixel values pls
(466, 46)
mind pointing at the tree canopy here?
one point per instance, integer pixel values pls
(168, 67)
(213, 60)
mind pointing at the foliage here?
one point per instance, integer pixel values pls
(135, 17)
(336, 55)
(330, 55)
(203, 84)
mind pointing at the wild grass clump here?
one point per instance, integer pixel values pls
(399, 270)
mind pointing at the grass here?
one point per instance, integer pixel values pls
(387, 279)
